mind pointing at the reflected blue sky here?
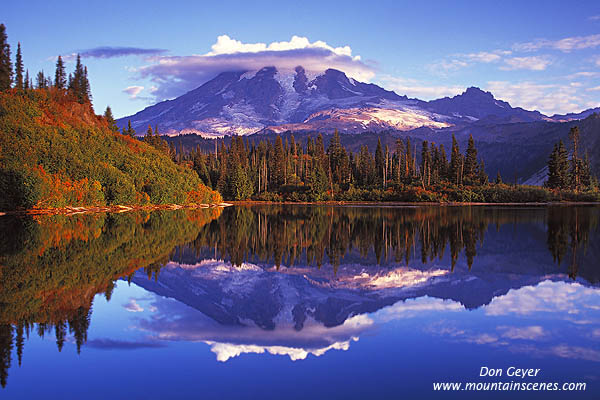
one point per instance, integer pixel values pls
(207, 328)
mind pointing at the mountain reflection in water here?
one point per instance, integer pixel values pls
(306, 280)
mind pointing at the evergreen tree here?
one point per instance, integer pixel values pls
(60, 76)
(5, 61)
(278, 163)
(471, 172)
(455, 162)
(379, 163)
(482, 178)
(41, 80)
(575, 162)
(443, 164)
(27, 83)
(558, 168)
(498, 178)
(108, 115)
(79, 85)
(131, 132)
(19, 85)
(425, 163)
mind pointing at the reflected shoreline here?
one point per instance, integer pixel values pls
(307, 268)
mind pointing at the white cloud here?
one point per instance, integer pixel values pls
(487, 56)
(227, 45)
(527, 332)
(583, 74)
(225, 351)
(534, 63)
(554, 297)
(565, 45)
(593, 89)
(546, 98)
(175, 75)
(132, 306)
(418, 89)
(133, 91)
(594, 18)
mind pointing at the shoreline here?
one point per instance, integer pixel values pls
(123, 208)
(408, 204)
(111, 209)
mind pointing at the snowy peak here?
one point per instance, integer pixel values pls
(244, 102)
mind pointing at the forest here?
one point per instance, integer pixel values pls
(56, 152)
(308, 172)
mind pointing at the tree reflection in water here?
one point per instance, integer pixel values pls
(51, 267)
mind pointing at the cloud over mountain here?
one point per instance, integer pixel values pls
(175, 75)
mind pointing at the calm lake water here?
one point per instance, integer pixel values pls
(299, 302)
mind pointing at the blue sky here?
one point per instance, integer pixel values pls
(539, 55)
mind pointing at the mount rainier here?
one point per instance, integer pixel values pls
(245, 102)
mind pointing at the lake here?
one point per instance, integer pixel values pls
(301, 302)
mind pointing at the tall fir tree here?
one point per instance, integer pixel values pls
(41, 81)
(379, 167)
(60, 76)
(6, 71)
(471, 171)
(455, 162)
(79, 85)
(19, 69)
(110, 119)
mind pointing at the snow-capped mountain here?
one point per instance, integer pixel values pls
(246, 102)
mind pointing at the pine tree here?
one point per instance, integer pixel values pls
(575, 162)
(563, 166)
(498, 178)
(455, 162)
(108, 115)
(26, 83)
(131, 132)
(278, 163)
(79, 85)
(470, 167)
(19, 85)
(425, 164)
(41, 80)
(5, 62)
(379, 163)
(60, 76)
(558, 168)
(482, 178)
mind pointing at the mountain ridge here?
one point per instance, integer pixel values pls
(246, 102)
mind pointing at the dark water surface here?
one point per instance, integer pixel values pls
(299, 302)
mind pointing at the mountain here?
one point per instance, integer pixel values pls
(575, 116)
(475, 104)
(245, 102)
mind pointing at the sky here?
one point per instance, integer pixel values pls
(542, 55)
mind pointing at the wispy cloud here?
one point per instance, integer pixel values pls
(535, 63)
(594, 18)
(546, 98)
(419, 89)
(132, 306)
(175, 75)
(111, 344)
(565, 45)
(112, 52)
(133, 91)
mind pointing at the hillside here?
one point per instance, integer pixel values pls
(55, 152)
